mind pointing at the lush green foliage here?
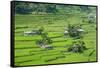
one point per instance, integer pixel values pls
(36, 8)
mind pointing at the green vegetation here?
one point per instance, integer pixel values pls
(46, 23)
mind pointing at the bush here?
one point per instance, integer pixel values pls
(73, 31)
(77, 47)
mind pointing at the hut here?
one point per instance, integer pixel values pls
(80, 30)
(66, 33)
(47, 47)
(30, 33)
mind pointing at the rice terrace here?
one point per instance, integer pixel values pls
(54, 33)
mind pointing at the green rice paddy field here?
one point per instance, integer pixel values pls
(27, 52)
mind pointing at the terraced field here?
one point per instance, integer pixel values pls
(27, 52)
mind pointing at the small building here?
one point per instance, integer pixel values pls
(30, 33)
(66, 32)
(80, 30)
(46, 47)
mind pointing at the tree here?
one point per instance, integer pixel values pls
(85, 9)
(45, 39)
(40, 31)
(73, 31)
(77, 47)
(23, 8)
(51, 8)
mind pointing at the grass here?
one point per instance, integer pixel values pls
(27, 52)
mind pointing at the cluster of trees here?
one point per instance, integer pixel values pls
(25, 8)
(45, 39)
(78, 46)
(73, 31)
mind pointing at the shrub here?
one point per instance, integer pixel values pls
(77, 47)
(73, 31)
